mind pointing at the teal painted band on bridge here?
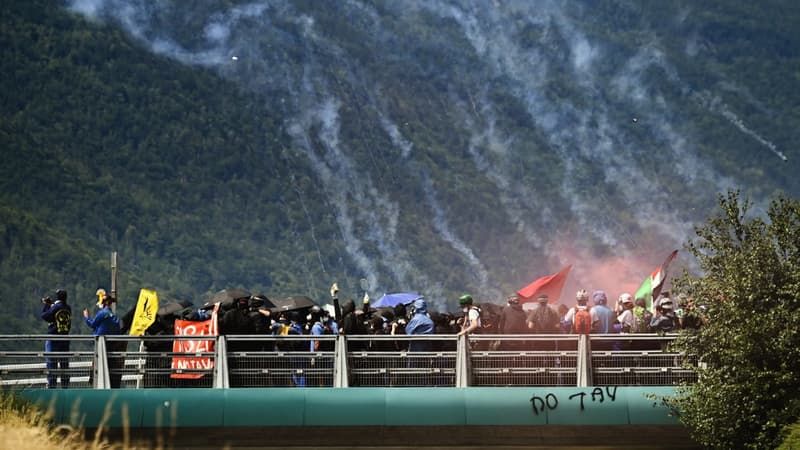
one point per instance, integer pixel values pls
(275, 407)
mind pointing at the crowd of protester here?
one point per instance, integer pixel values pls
(251, 315)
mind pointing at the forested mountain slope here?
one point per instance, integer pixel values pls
(441, 147)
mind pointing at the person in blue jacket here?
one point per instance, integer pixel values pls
(58, 316)
(106, 323)
(420, 323)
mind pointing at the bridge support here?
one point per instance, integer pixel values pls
(100, 367)
(340, 370)
(462, 362)
(584, 361)
(221, 379)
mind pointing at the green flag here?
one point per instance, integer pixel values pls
(651, 286)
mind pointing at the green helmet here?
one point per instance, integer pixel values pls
(465, 299)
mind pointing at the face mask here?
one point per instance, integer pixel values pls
(465, 309)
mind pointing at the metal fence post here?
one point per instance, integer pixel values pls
(463, 369)
(584, 362)
(101, 376)
(221, 374)
(340, 370)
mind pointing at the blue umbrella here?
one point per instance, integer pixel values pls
(392, 300)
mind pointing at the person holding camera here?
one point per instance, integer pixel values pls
(58, 316)
(104, 323)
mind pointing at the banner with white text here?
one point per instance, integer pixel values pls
(193, 367)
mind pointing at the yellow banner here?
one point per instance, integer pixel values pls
(146, 309)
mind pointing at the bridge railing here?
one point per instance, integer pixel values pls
(339, 361)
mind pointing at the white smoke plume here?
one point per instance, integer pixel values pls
(592, 108)
(441, 225)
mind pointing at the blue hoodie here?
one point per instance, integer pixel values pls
(420, 324)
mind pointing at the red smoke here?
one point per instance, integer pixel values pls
(612, 273)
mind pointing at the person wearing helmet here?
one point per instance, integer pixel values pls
(664, 320)
(58, 315)
(581, 300)
(471, 322)
(602, 316)
(625, 317)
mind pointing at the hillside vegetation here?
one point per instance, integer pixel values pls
(427, 146)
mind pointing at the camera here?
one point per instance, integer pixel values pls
(47, 300)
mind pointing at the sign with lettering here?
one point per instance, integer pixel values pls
(187, 366)
(550, 401)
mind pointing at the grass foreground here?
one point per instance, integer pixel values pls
(24, 426)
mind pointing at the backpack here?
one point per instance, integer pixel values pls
(480, 322)
(641, 320)
(582, 321)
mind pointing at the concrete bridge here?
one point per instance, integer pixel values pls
(261, 391)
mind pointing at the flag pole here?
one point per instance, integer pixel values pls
(114, 280)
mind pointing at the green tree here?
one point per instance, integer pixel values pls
(747, 390)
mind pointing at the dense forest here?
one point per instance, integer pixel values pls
(434, 146)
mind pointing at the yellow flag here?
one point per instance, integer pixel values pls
(145, 314)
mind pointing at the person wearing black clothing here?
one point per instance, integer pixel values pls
(58, 315)
(513, 320)
(352, 325)
(543, 319)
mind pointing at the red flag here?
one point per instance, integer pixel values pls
(550, 285)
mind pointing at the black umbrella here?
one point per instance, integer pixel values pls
(172, 307)
(292, 303)
(226, 298)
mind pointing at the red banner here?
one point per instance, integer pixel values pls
(194, 363)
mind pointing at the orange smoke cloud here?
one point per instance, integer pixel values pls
(613, 273)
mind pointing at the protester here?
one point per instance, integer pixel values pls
(543, 319)
(337, 310)
(512, 321)
(625, 317)
(641, 317)
(379, 326)
(664, 320)
(603, 319)
(321, 323)
(581, 298)
(351, 325)
(420, 323)
(58, 315)
(471, 322)
(602, 316)
(107, 323)
(564, 326)
(664, 296)
(288, 324)
(444, 323)
(398, 326)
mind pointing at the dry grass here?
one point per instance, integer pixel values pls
(25, 426)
